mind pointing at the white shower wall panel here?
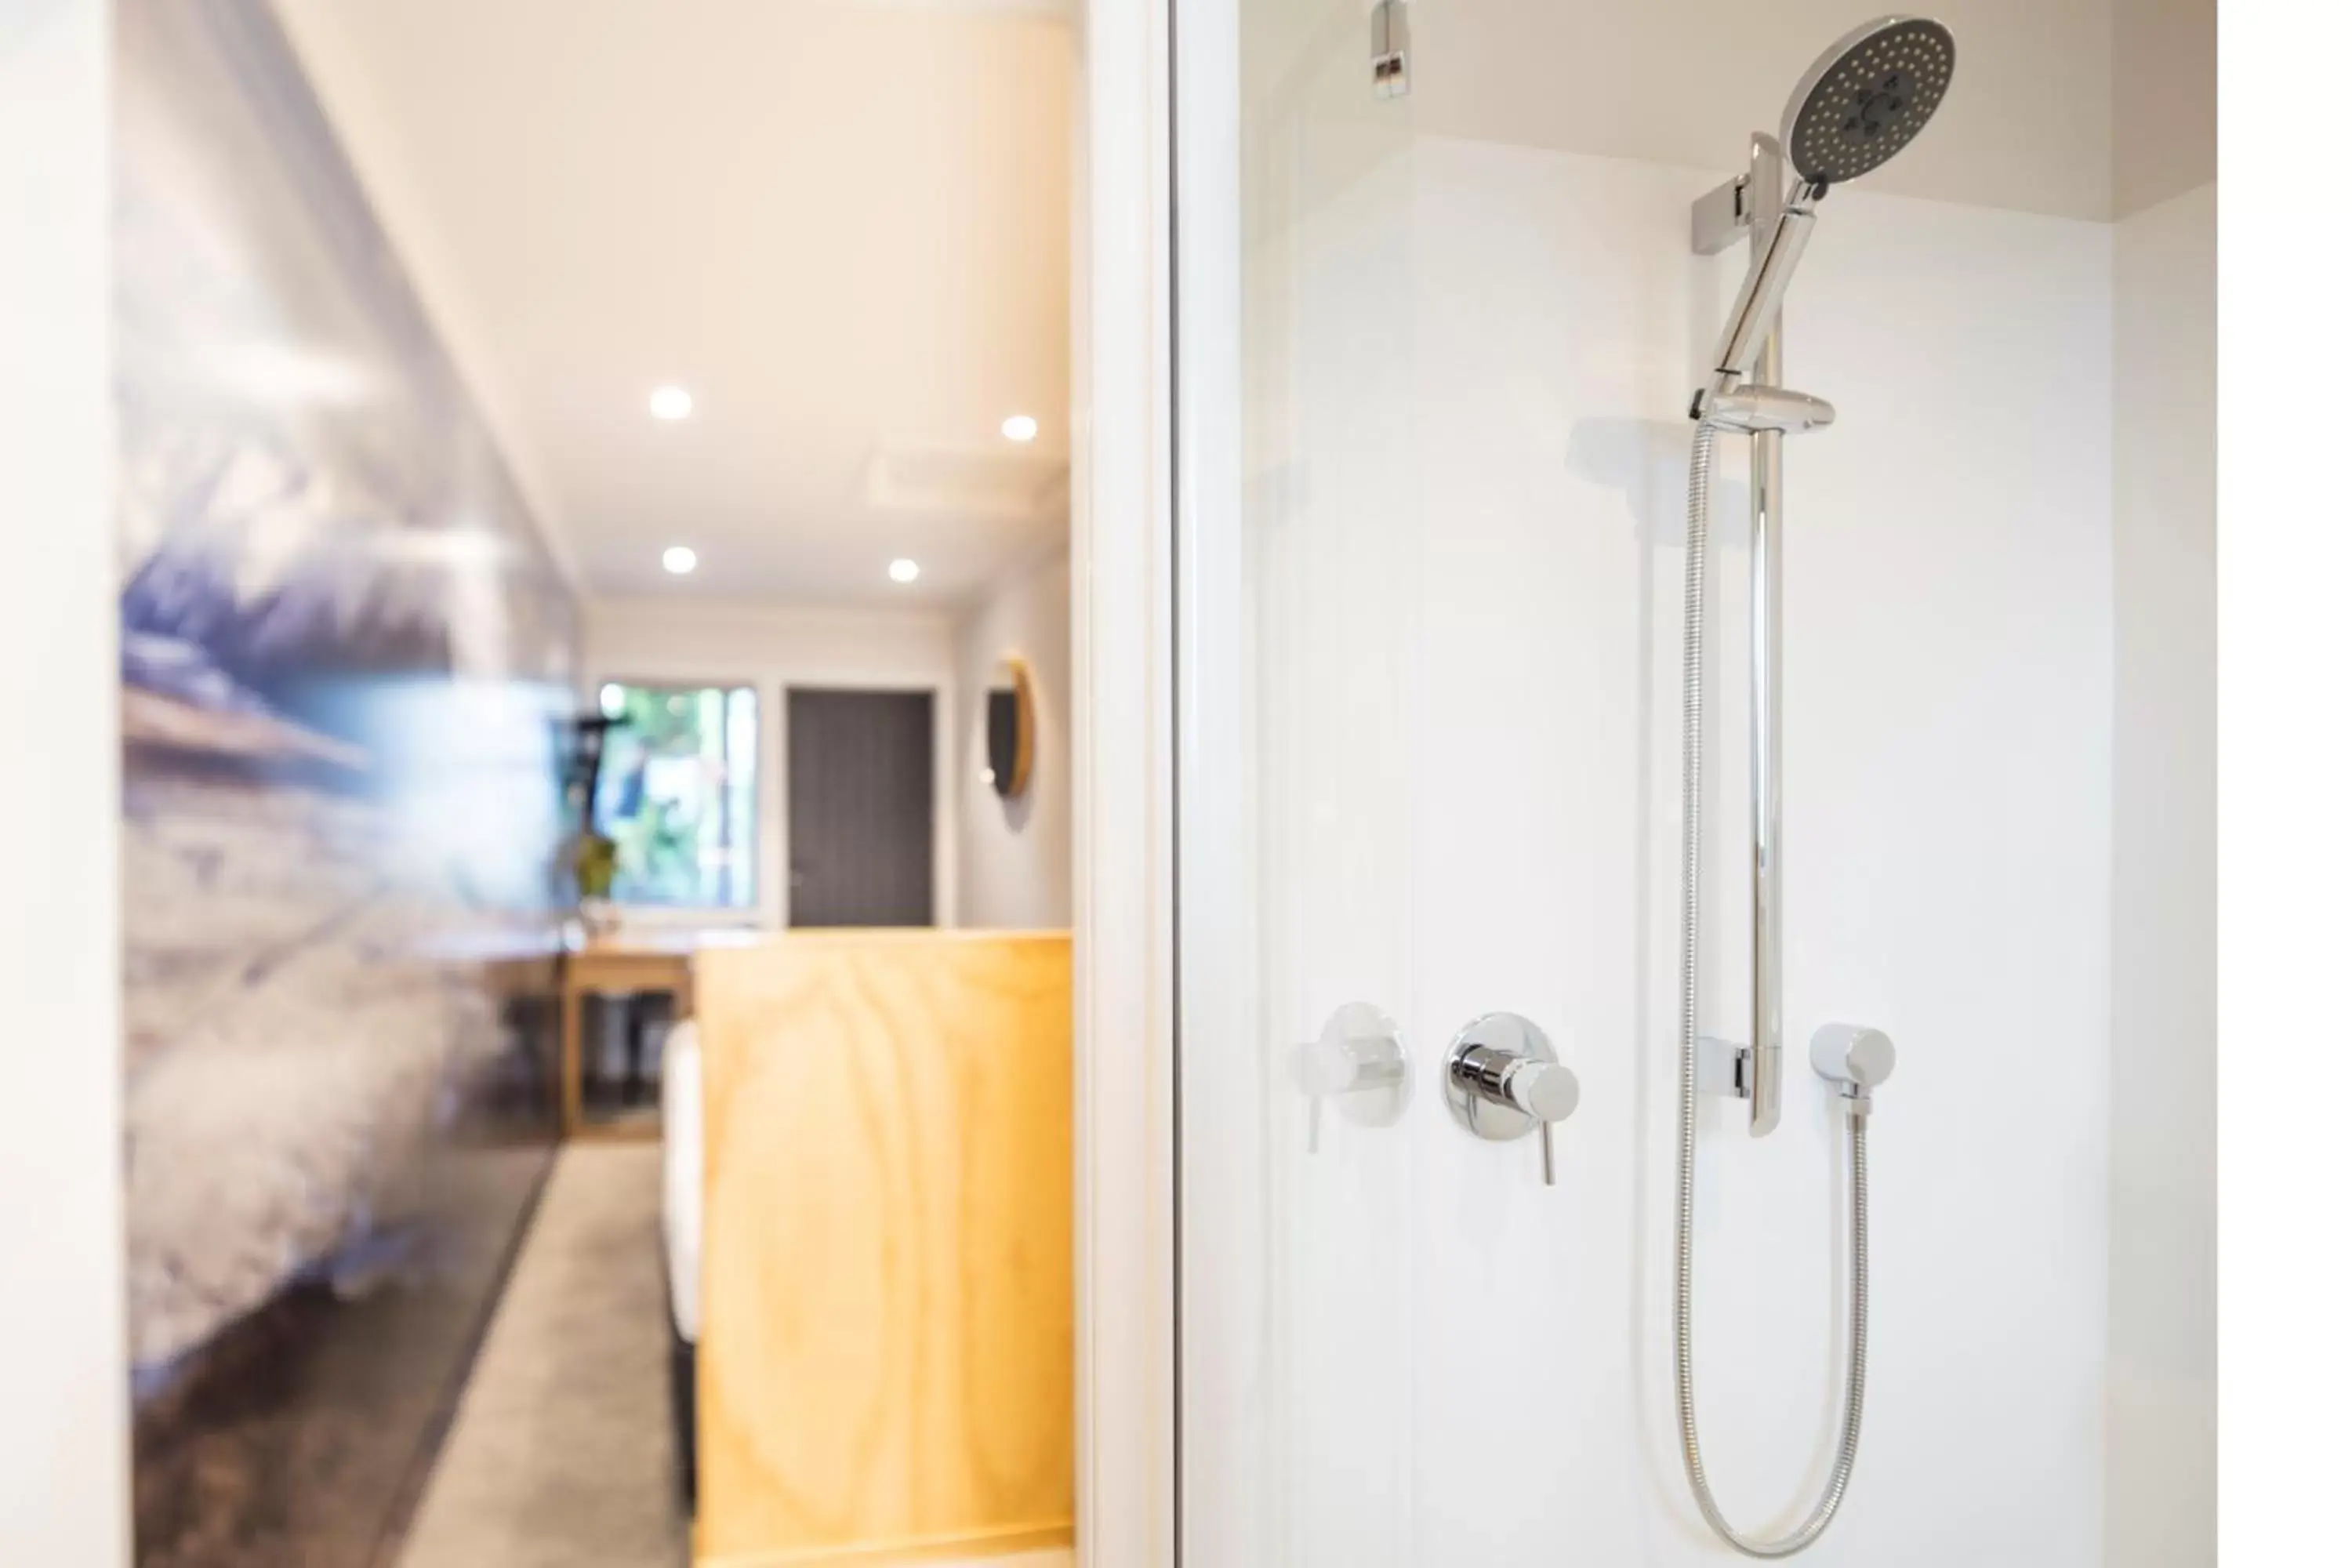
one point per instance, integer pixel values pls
(1463, 534)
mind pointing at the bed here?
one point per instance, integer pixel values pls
(682, 1106)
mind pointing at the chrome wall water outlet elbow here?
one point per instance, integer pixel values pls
(1854, 1059)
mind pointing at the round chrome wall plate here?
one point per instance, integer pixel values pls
(1511, 1035)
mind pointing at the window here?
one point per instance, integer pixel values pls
(677, 793)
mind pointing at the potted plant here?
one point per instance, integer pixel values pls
(594, 858)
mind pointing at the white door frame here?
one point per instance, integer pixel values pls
(1121, 578)
(1156, 569)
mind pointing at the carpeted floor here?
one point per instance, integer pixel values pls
(561, 1454)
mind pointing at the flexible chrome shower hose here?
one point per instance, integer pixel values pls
(1685, 1154)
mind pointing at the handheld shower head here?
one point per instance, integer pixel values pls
(1866, 98)
(1860, 104)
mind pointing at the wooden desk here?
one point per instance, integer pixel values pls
(624, 963)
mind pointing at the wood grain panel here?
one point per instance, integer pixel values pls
(885, 1355)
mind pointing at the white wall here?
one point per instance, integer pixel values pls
(1464, 535)
(773, 647)
(2160, 1319)
(1015, 854)
(64, 1386)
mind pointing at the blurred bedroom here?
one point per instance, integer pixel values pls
(597, 779)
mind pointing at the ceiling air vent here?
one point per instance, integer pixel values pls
(975, 481)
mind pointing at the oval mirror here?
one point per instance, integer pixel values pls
(1012, 728)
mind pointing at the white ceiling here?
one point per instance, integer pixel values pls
(844, 226)
(2028, 123)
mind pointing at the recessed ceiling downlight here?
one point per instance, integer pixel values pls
(1019, 427)
(670, 403)
(904, 570)
(678, 560)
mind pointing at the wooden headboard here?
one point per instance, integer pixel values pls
(885, 1359)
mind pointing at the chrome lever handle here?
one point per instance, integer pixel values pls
(1545, 1090)
(1502, 1080)
(1358, 1064)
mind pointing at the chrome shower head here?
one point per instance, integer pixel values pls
(1864, 100)
(1861, 104)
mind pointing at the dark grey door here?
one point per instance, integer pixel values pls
(858, 808)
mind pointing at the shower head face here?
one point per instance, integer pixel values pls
(1864, 100)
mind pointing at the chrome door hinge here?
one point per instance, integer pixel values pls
(1391, 44)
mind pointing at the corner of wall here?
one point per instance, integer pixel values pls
(64, 1442)
(2165, 102)
(2162, 1381)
